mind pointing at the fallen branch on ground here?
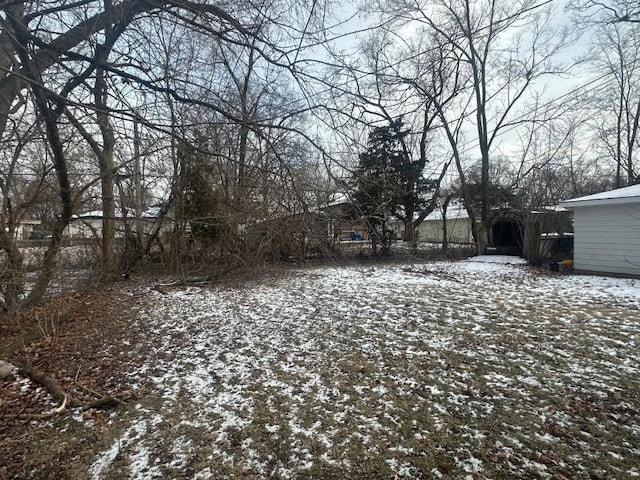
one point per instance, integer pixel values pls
(60, 395)
(159, 289)
(189, 282)
(431, 273)
(183, 283)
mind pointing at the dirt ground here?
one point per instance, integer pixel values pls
(75, 339)
(82, 340)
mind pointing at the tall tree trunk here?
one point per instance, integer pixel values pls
(445, 233)
(107, 172)
(137, 180)
(109, 260)
(409, 232)
(619, 159)
(12, 279)
(33, 75)
(105, 156)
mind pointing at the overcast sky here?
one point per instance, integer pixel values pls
(581, 81)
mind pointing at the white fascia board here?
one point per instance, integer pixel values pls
(599, 202)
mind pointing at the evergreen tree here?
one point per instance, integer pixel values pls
(389, 185)
(199, 196)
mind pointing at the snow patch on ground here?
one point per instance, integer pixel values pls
(499, 259)
(133, 444)
(440, 369)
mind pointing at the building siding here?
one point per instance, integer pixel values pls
(458, 231)
(607, 239)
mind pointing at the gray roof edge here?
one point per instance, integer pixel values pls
(598, 202)
(630, 194)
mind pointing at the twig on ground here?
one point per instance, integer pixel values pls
(429, 273)
(186, 282)
(159, 289)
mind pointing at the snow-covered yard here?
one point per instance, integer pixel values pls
(408, 371)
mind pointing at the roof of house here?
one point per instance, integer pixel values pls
(549, 209)
(455, 211)
(620, 195)
(151, 212)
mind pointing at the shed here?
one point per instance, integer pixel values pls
(607, 232)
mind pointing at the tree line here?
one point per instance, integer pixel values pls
(226, 119)
(474, 84)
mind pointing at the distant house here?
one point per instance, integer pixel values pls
(537, 235)
(341, 223)
(89, 224)
(607, 232)
(458, 225)
(25, 228)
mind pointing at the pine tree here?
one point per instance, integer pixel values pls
(199, 196)
(389, 185)
(380, 182)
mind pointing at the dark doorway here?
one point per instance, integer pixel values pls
(507, 237)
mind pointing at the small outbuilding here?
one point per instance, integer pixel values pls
(607, 232)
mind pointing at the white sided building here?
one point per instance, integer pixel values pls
(431, 230)
(607, 232)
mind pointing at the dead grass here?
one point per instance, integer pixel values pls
(438, 370)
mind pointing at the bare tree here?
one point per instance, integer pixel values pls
(617, 53)
(599, 12)
(59, 52)
(499, 51)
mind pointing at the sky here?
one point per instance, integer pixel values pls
(580, 81)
